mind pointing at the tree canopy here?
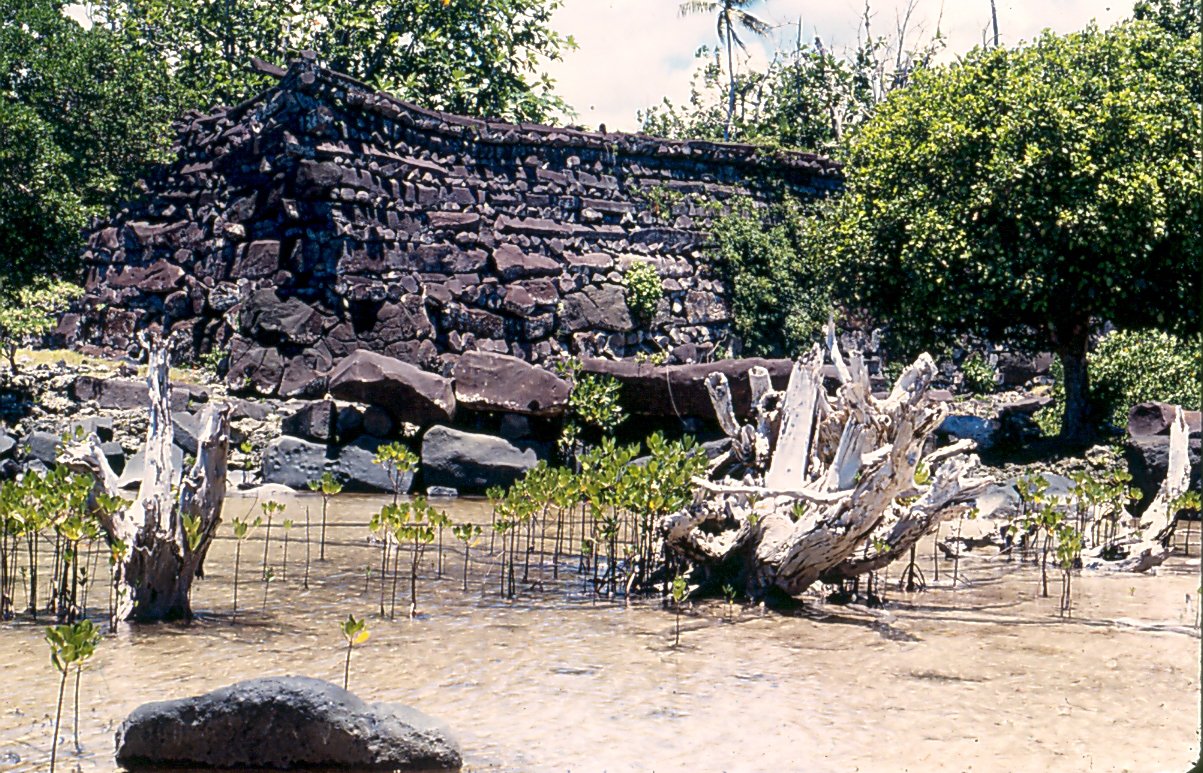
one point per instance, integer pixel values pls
(1025, 194)
(475, 57)
(80, 117)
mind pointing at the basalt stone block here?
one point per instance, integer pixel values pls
(293, 462)
(7, 444)
(498, 382)
(254, 367)
(158, 277)
(283, 723)
(1155, 418)
(680, 390)
(472, 463)
(260, 259)
(43, 446)
(353, 464)
(510, 262)
(270, 320)
(406, 392)
(597, 307)
(312, 421)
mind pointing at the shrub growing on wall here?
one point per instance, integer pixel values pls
(643, 290)
(780, 288)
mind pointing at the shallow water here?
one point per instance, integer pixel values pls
(983, 678)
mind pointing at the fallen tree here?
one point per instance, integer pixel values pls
(820, 487)
(161, 538)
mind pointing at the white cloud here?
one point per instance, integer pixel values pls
(634, 52)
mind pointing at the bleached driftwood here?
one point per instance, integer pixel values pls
(163, 535)
(1148, 544)
(823, 476)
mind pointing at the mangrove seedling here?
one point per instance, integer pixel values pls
(466, 533)
(327, 486)
(678, 598)
(287, 525)
(269, 509)
(242, 530)
(416, 526)
(69, 645)
(729, 595)
(1069, 551)
(397, 461)
(355, 632)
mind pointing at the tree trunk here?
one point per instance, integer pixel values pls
(154, 579)
(1075, 422)
(839, 476)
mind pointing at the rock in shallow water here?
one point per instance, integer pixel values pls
(283, 722)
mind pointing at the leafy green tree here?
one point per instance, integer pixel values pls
(479, 57)
(1183, 18)
(1027, 194)
(809, 97)
(730, 16)
(30, 313)
(81, 115)
(780, 290)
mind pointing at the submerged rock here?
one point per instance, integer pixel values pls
(283, 722)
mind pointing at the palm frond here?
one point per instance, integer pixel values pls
(751, 23)
(693, 7)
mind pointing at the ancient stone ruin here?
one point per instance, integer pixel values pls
(321, 218)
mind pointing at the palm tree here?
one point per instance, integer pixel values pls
(731, 15)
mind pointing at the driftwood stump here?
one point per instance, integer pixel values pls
(162, 537)
(823, 487)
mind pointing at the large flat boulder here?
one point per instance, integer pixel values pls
(485, 381)
(283, 723)
(405, 391)
(680, 390)
(353, 464)
(292, 462)
(471, 463)
(1154, 418)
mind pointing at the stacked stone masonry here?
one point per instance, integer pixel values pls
(321, 218)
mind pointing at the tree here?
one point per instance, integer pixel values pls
(80, 118)
(731, 14)
(1183, 18)
(809, 97)
(30, 314)
(481, 57)
(1027, 194)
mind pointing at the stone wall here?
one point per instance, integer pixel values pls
(320, 218)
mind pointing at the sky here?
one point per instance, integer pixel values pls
(632, 53)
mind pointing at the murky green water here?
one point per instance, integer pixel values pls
(984, 678)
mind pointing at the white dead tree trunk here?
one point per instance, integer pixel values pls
(827, 485)
(164, 534)
(1147, 543)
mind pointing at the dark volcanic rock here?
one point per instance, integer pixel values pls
(680, 390)
(43, 446)
(1148, 461)
(405, 391)
(312, 421)
(471, 463)
(496, 382)
(1154, 418)
(283, 722)
(293, 462)
(353, 465)
(598, 308)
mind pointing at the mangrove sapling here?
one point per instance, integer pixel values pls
(384, 523)
(268, 577)
(439, 519)
(397, 461)
(678, 591)
(70, 644)
(305, 581)
(466, 533)
(355, 632)
(287, 525)
(242, 530)
(269, 508)
(494, 494)
(416, 527)
(729, 595)
(327, 486)
(956, 558)
(1068, 552)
